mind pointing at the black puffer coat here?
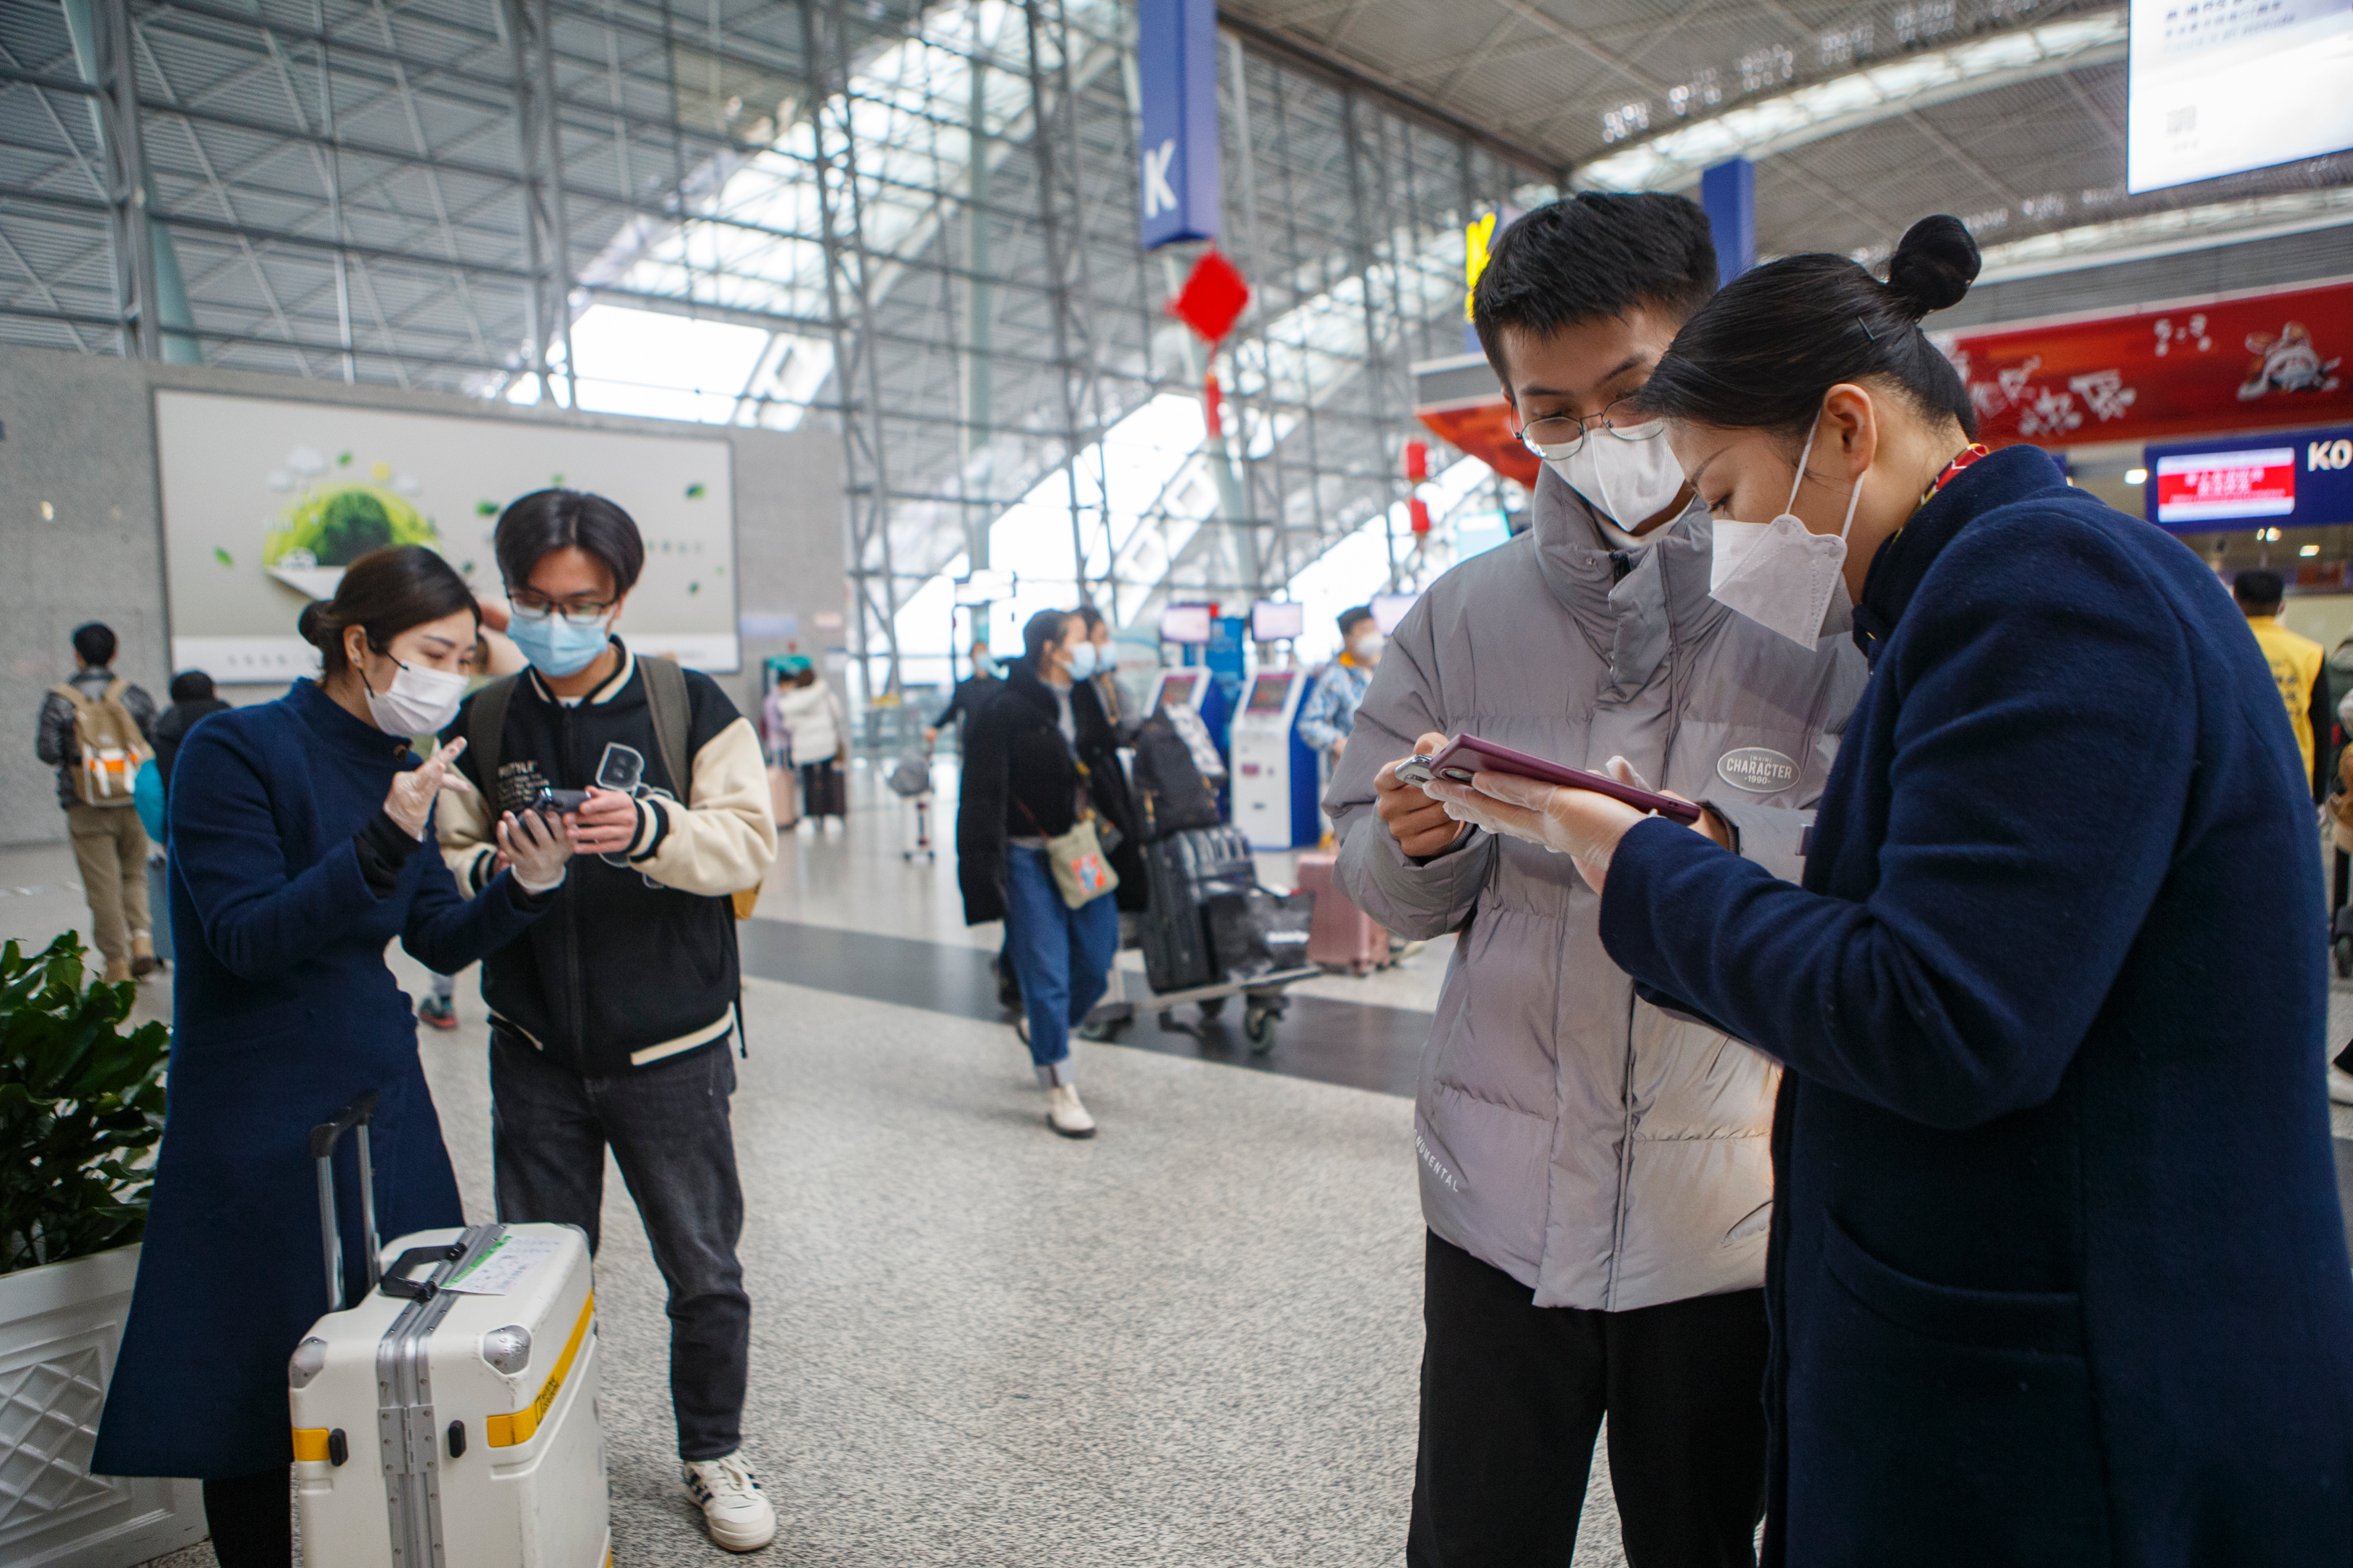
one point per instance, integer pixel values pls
(1022, 781)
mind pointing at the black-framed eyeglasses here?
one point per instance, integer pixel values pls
(530, 607)
(1558, 436)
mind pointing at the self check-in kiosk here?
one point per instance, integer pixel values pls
(1180, 689)
(1275, 775)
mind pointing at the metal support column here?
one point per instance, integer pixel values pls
(856, 375)
(1058, 277)
(559, 227)
(1376, 371)
(516, 14)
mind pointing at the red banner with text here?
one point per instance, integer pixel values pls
(2266, 360)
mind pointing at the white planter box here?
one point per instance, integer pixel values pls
(59, 1329)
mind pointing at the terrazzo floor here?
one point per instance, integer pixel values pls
(1192, 1341)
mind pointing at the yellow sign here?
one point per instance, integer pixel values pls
(1475, 240)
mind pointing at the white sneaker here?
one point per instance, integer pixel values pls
(729, 1495)
(2341, 1085)
(1065, 1115)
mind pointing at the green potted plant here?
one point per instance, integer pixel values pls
(81, 1110)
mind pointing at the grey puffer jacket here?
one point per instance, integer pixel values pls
(1607, 1153)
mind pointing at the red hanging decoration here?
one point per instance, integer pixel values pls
(1210, 400)
(1416, 462)
(1418, 510)
(1212, 298)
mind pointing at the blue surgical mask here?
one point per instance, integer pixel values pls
(557, 648)
(1083, 662)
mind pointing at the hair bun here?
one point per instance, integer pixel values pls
(311, 624)
(1933, 265)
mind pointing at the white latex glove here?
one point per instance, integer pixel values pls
(536, 849)
(409, 802)
(1581, 824)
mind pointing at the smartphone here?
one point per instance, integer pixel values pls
(1465, 755)
(551, 802)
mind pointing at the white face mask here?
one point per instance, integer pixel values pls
(1366, 649)
(1628, 482)
(1781, 575)
(417, 702)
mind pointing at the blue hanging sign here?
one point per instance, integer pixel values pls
(1176, 68)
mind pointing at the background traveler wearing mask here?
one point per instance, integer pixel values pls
(296, 831)
(609, 1024)
(1593, 1172)
(812, 716)
(1034, 757)
(1106, 670)
(2059, 1271)
(1329, 712)
(967, 699)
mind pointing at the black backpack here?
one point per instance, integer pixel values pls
(1170, 794)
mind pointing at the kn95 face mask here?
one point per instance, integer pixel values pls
(416, 701)
(1781, 574)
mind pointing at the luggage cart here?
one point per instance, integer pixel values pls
(1263, 1005)
(1210, 932)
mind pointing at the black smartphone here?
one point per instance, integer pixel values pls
(550, 802)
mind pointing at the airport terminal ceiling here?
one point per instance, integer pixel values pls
(916, 225)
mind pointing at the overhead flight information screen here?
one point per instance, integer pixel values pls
(2218, 87)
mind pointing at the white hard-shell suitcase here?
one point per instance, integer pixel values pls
(437, 1426)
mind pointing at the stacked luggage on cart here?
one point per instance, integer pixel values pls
(1210, 930)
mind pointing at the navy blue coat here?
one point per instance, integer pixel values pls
(2058, 1273)
(282, 1011)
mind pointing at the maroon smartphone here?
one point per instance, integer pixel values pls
(1464, 755)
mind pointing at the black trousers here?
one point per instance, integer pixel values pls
(668, 1126)
(252, 1519)
(824, 791)
(1512, 1394)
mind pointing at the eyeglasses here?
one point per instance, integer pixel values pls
(531, 608)
(1560, 436)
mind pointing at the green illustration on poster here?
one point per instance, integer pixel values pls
(267, 501)
(334, 519)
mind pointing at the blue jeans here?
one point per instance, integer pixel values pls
(1061, 955)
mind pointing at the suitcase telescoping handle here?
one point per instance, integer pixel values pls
(357, 1116)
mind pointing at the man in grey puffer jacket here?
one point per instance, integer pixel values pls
(1595, 1172)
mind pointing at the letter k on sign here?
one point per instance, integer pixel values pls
(1159, 195)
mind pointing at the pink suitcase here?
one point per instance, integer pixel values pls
(1342, 936)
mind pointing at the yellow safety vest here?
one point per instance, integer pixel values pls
(2296, 664)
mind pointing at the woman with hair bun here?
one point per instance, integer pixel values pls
(2058, 1273)
(299, 829)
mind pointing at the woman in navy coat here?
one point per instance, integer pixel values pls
(2058, 1273)
(299, 833)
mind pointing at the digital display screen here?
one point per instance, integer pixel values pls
(1389, 609)
(1185, 623)
(1276, 620)
(2218, 87)
(1177, 690)
(2215, 487)
(1268, 693)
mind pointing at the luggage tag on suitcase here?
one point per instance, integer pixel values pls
(447, 1418)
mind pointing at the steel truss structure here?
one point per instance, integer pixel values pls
(928, 211)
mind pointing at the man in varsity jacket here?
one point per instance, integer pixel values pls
(610, 1020)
